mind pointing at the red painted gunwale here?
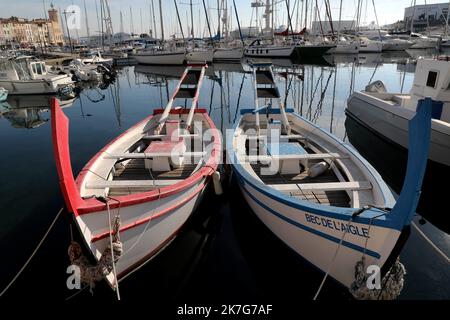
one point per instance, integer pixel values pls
(71, 188)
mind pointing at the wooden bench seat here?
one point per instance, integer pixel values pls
(131, 184)
(314, 156)
(161, 136)
(330, 186)
(152, 155)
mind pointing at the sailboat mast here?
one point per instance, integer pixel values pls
(192, 20)
(238, 23)
(101, 21)
(358, 14)
(155, 31)
(446, 21)
(273, 21)
(179, 21)
(131, 22)
(218, 19)
(207, 21)
(121, 27)
(339, 25)
(87, 23)
(306, 14)
(142, 24)
(412, 19)
(161, 19)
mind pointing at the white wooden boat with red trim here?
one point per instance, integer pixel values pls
(152, 176)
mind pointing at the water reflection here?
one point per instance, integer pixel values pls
(215, 254)
(29, 111)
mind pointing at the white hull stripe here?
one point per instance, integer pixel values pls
(316, 232)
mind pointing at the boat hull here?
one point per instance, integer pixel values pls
(176, 58)
(371, 47)
(312, 51)
(396, 46)
(314, 231)
(224, 54)
(146, 228)
(424, 44)
(270, 52)
(310, 236)
(392, 123)
(345, 48)
(200, 56)
(33, 86)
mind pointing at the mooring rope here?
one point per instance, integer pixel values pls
(112, 251)
(34, 253)
(439, 251)
(334, 258)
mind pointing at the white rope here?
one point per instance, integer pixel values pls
(33, 254)
(439, 251)
(112, 251)
(332, 261)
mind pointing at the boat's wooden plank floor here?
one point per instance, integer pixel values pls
(333, 198)
(135, 170)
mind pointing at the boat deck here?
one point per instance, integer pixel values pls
(135, 170)
(331, 198)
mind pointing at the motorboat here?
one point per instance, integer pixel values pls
(388, 114)
(27, 75)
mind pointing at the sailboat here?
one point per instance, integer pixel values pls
(316, 193)
(161, 55)
(230, 51)
(145, 184)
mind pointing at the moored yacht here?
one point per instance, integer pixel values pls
(259, 49)
(388, 114)
(27, 75)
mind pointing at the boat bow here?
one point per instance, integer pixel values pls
(60, 135)
(419, 143)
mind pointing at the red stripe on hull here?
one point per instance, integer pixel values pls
(155, 216)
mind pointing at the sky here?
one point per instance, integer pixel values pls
(388, 11)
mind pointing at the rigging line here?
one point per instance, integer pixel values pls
(435, 247)
(34, 253)
(334, 258)
(112, 250)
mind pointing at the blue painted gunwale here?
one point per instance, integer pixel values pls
(343, 214)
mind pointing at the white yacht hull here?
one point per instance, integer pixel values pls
(391, 121)
(200, 56)
(345, 48)
(371, 47)
(396, 46)
(225, 54)
(163, 58)
(270, 51)
(424, 44)
(38, 86)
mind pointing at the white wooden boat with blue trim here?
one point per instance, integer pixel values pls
(151, 178)
(316, 193)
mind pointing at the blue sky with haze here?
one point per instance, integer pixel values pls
(388, 11)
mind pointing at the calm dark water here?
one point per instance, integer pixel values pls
(225, 253)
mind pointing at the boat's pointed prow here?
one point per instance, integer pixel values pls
(60, 136)
(419, 142)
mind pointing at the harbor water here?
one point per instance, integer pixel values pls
(225, 253)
